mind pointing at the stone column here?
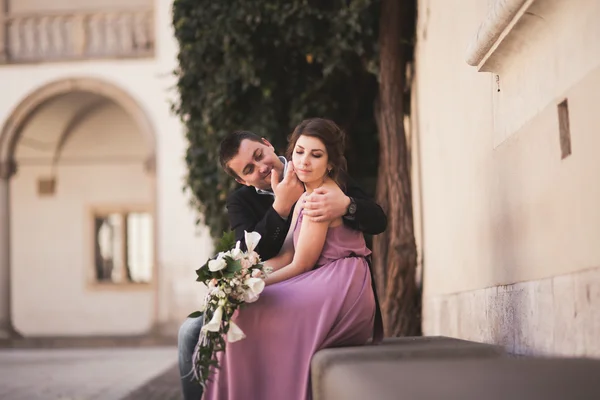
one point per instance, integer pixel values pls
(6, 171)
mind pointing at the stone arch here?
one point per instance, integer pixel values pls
(10, 135)
(11, 131)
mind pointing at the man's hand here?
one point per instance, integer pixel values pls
(326, 204)
(287, 192)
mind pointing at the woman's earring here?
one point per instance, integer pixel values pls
(329, 171)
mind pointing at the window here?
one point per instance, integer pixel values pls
(123, 247)
(563, 129)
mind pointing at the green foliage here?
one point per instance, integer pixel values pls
(227, 241)
(264, 65)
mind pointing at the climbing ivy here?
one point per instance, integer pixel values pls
(263, 66)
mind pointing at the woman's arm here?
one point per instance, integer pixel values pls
(307, 252)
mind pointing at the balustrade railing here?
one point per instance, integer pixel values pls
(79, 35)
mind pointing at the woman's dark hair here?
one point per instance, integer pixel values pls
(332, 137)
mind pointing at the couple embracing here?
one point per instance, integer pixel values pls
(311, 218)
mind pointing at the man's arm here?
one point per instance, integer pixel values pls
(271, 227)
(326, 204)
(369, 216)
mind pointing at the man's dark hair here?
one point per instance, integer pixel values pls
(230, 146)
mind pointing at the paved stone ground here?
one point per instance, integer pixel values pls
(89, 374)
(163, 387)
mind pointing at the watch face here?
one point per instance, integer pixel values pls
(352, 208)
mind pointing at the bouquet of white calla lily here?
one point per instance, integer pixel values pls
(233, 278)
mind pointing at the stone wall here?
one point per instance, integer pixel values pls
(559, 315)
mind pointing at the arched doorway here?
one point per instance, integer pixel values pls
(77, 212)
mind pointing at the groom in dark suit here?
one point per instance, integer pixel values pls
(264, 204)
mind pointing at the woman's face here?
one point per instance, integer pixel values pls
(310, 159)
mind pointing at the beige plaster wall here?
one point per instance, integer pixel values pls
(497, 212)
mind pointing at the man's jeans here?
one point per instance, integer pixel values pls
(186, 343)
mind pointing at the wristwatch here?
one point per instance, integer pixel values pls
(351, 208)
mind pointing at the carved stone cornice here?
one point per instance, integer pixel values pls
(497, 28)
(7, 169)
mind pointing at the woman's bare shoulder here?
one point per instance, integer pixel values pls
(330, 184)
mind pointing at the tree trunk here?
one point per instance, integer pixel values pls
(395, 253)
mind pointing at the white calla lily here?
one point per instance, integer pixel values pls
(252, 239)
(255, 285)
(217, 265)
(249, 296)
(215, 323)
(237, 253)
(235, 333)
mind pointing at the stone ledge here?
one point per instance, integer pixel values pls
(466, 379)
(328, 382)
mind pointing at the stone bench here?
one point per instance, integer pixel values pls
(428, 368)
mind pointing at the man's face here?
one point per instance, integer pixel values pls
(253, 163)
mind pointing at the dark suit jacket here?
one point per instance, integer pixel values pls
(251, 211)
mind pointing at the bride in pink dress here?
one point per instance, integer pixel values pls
(318, 296)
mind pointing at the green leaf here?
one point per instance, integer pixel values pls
(227, 241)
(203, 273)
(202, 270)
(232, 267)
